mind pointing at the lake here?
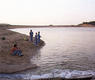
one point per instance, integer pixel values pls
(65, 49)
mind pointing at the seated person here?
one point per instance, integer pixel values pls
(15, 50)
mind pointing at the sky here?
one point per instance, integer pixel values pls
(46, 12)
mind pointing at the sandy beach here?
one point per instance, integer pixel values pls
(12, 64)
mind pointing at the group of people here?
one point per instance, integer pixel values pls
(17, 51)
(36, 38)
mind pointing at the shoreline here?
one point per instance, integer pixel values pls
(8, 26)
(48, 26)
(12, 64)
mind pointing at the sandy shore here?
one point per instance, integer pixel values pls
(12, 64)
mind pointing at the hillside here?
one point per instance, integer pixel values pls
(87, 24)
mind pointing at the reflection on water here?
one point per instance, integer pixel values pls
(66, 48)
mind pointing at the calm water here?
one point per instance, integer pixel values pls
(65, 48)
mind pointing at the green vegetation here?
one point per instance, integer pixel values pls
(91, 22)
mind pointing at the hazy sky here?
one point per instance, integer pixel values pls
(45, 12)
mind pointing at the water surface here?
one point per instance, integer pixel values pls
(65, 48)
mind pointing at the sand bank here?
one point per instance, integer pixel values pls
(9, 63)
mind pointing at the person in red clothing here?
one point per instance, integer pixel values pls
(15, 50)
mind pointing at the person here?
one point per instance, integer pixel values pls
(15, 50)
(39, 37)
(31, 35)
(36, 39)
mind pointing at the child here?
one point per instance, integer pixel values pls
(15, 50)
(31, 35)
(36, 39)
(39, 37)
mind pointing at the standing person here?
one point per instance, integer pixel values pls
(36, 39)
(31, 35)
(15, 50)
(39, 37)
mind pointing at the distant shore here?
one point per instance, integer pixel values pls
(47, 26)
(9, 26)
